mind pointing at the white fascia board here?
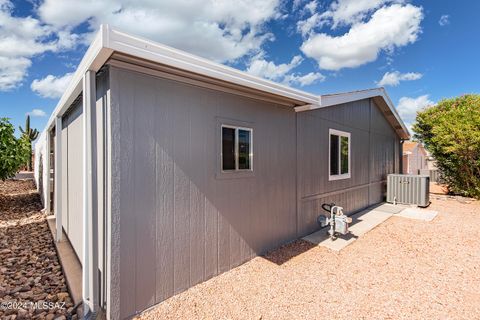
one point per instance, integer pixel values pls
(155, 52)
(390, 104)
(340, 98)
(95, 57)
(109, 40)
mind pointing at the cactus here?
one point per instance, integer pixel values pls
(30, 134)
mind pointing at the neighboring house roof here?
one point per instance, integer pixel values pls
(409, 146)
(110, 42)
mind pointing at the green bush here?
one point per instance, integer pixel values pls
(13, 152)
(451, 132)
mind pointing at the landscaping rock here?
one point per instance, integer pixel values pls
(30, 271)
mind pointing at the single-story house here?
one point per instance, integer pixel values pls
(170, 169)
(415, 157)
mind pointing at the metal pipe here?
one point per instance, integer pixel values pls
(90, 219)
(48, 208)
(58, 178)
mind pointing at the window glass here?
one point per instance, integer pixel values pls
(344, 155)
(333, 154)
(243, 149)
(339, 155)
(228, 148)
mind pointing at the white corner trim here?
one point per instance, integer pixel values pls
(95, 57)
(58, 178)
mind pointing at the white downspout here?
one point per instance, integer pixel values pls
(48, 170)
(90, 219)
(58, 178)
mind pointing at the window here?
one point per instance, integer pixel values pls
(236, 148)
(339, 160)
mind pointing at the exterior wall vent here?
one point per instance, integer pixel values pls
(408, 189)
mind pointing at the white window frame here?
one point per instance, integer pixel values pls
(340, 134)
(236, 153)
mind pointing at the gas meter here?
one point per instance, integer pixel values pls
(337, 221)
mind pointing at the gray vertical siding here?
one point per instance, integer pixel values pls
(72, 179)
(374, 154)
(181, 221)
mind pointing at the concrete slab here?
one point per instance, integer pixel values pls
(366, 220)
(417, 214)
(363, 222)
(387, 207)
(24, 175)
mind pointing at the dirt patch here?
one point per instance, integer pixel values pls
(403, 269)
(29, 268)
(436, 188)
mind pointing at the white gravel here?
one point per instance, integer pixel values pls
(402, 269)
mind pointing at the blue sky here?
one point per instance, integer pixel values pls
(420, 51)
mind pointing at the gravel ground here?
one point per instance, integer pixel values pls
(29, 268)
(403, 269)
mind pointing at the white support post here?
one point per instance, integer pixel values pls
(48, 170)
(58, 177)
(90, 208)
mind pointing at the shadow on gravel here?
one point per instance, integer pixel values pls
(288, 251)
(30, 271)
(19, 205)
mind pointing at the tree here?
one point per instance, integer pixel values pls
(30, 135)
(451, 132)
(13, 152)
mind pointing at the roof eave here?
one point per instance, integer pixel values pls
(108, 40)
(336, 99)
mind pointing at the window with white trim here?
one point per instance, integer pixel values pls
(339, 155)
(237, 154)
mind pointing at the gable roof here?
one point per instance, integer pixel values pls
(109, 42)
(409, 146)
(379, 96)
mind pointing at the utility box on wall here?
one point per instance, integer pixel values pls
(408, 189)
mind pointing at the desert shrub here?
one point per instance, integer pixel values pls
(14, 152)
(450, 130)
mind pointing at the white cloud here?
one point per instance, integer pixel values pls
(22, 38)
(218, 30)
(305, 80)
(37, 113)
(388, 28)
(283, 72)
(51, 86)
(347, 12)
(341, 13)
(12, 72)
(393, 78)
(311, 6)
(444, 20)
(407, 108)
(269, 70)
(306, 26)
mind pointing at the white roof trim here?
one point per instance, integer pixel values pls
(156, 52)
(328, 100)
(108, 40)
